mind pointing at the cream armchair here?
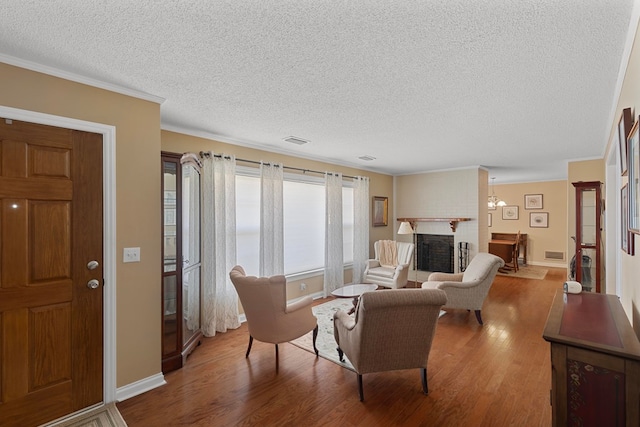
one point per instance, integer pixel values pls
(269, 318)
(469, 289)
(389, 276)
(392, 329)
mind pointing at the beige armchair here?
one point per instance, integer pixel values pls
(388, 275)
(269, 318)
(469, 289)
(392, 329)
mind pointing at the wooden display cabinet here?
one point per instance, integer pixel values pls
(595, 362)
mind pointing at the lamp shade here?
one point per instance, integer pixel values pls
(405, 228)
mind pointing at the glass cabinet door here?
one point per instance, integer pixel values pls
(191, 265)
(586, 265)
(171, 279)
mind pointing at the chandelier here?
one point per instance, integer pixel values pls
(493, 199)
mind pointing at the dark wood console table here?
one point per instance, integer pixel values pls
(512, 236)
(595, 361)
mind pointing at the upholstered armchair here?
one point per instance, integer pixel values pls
(469, 289)
(269, 317)
(389, 275)
(392, 329)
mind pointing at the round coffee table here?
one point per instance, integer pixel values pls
(354, 291)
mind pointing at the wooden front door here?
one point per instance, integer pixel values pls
(51, 346)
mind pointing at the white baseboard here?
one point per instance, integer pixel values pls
(547, 264)
(142, 386)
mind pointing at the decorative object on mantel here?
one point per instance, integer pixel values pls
(493, 199)
(453, 222)
(406, 228)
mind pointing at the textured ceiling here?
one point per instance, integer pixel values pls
(518, 87)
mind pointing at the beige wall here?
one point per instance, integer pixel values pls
(539, 240)
(629, 265)
(137, 125)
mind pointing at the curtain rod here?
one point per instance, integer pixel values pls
(204, 154)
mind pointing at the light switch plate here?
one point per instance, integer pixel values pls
(131, 255)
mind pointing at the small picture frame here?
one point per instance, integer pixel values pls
(510, 212)
(539, 219)
(533, 201)
(380, 211)
(633, 143)
(490, 221)
(627, 241)
(624, 127)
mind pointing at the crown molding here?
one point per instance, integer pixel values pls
(55, 72)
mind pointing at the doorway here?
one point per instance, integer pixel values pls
(107, 134)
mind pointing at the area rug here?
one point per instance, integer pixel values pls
(527, 272)
(326, 343)
(104, 416)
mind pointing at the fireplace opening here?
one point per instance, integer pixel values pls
(435, 253)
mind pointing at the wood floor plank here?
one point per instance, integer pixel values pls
(497, 374)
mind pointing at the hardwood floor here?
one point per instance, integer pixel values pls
(493, 375)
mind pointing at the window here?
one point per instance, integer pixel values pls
(303, 199)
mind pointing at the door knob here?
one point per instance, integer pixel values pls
(92, 265)
(93, 284)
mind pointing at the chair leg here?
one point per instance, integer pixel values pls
(479, 317)
(249, 348)
(360, 391)
(425, 387)
(340, 354)
(276, 351)
(315, 336)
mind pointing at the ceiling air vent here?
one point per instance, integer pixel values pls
(367, 158)
(296, 140)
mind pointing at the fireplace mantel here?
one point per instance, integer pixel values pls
(453, 222)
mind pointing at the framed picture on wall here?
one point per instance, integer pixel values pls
(510, 212)
(533, 201)
(626, 237)
(624, 127)
(539, 219)
(633, 143)
(380, 211)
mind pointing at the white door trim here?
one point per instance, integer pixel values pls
(109, 226)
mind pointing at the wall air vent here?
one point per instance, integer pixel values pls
(296, 140)
(553, 255)
(367, 158)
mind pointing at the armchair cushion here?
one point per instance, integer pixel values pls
(387, 272)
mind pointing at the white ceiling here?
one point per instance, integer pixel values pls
(518, 87)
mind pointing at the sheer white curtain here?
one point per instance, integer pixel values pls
(360, 227)
(333, 250)
(220, 300)
(271, 219)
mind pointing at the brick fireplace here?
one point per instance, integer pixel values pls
(435, 253)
